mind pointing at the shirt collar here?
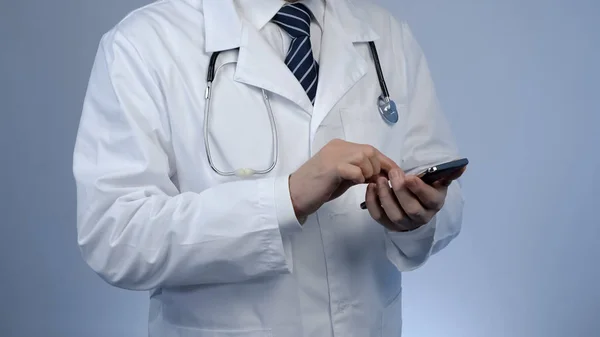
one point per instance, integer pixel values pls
(223, 25)
(260, 12)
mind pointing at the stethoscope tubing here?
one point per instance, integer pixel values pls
(211, 72)
(245, 172)
(379, 70)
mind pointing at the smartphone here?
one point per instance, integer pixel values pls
(451, 170)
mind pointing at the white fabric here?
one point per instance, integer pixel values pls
(260, 13)
(224, 256)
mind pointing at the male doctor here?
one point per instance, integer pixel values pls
(283, 253)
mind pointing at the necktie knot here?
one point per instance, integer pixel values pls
(294, 19)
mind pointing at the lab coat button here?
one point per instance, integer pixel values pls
(342, 306)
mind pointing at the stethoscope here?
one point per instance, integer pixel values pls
(387, 110)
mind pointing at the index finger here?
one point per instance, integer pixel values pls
(429, 196)
(386, 163)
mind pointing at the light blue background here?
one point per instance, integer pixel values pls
(519, 82)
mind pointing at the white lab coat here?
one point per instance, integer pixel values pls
(224, 256)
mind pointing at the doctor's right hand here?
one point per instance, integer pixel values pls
(338, 166)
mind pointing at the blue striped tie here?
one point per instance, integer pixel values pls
(295, 20)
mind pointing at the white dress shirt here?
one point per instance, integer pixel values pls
(260, 13)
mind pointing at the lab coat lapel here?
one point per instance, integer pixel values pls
(341, 67)
(260, 66)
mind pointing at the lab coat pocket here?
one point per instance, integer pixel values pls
(365, 125)
(191, 332)
(391, 319)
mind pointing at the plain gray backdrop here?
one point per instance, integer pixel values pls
(519, 80)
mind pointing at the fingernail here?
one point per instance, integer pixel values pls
(394, 174)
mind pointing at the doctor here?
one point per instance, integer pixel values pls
(238, 207)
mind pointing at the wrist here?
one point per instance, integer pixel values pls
(300, 215)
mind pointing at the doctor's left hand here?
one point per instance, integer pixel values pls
(408, 205)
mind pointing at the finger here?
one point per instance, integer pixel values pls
(446, 181)
(371, 154)
(373, 205)
(361, 160)
(409, 203)
(442, 183)
(374, 178)
(386, 163)
(390, 205)
(367, 168)
(351, 172)
(376, 164)
(431, 197)
(457, 174)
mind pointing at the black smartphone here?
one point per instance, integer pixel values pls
(449, 170)
(443, 171)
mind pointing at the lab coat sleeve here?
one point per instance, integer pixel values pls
(135, 228)
(428, 141)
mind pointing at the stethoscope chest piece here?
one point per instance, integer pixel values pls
(388, 110)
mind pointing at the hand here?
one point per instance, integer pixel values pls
(408, 205)
(332, 171)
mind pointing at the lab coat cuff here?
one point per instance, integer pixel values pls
(288, 222)
(410, 250)
(423, 232)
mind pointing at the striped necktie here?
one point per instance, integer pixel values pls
(295, 20)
